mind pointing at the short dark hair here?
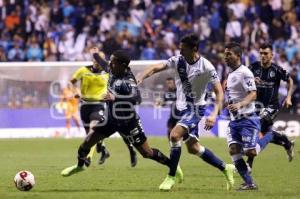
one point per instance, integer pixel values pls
(122, 56)
(266, 45)
(235, 47)
(191, 40)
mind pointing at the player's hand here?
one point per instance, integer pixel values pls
(139, 81)
(76, 96)
(109, 97)
(257, 80)
(209, 122)
(287, 102)
(94, 50)
(234, 107)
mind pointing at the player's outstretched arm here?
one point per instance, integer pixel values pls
(151, 71)
(290, 87)
(99, 58)
(210, 121)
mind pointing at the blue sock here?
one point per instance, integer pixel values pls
(174, 159)
(209, 157)
(264, 141)
(241, 166)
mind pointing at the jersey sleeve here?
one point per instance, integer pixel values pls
(78, 73)
(172, 62)
(211, 71)
(248, 81)
(283, 74)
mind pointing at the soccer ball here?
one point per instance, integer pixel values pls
(24, 180)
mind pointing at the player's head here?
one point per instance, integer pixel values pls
(170, 84)
(266, 55)
(189, 45)
(119, 62)
(233, 54)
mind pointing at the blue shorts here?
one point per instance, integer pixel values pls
(190, 119)
(244, 132)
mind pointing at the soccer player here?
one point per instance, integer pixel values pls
(122, 96)
(193, 73)
(71, 110)
(93, 86)
(268, 76)
(244, 126)
(170, 99)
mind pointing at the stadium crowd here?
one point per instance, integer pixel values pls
(64, 30)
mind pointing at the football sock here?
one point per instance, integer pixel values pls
(209, 157)
(241, 167)
(281, 139)
(174, 157)
(82, 154)
(160, 157)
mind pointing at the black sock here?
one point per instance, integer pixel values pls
(281, 139)
(158, 156)
(131, 149)
(174, 159)
(100, 148)
(82, 153)
(250, 161)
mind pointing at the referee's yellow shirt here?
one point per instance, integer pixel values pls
(93, 85)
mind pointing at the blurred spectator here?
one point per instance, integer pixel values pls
(16, 53)
(148, 53)
(34, 52)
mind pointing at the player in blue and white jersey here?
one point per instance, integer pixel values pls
(244, 126)
(193, 73)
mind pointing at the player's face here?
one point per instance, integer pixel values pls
(170, 84)
(265, 55)
(185, 50)
(231, 58)
(115, 66)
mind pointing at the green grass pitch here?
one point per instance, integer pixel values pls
(45, 158)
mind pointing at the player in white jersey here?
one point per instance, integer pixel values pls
(193, 73)
(243, 129)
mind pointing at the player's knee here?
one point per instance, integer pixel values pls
(193, 150)
(234, 149)
(251, 153)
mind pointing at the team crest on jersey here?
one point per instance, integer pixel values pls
(257, 72)
(118, 83)
(272, 74)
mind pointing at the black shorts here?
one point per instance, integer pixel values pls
(174, 117)
(93, 111)
(267, 116)
(132, 131)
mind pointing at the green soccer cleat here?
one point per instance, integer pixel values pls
(179, 174)
(228, 172)
(71, 170)
(168, 183)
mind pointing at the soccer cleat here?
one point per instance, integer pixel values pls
(228, 172)
(87, 161)
(290, 151)
(179, 174)
(71, 170)
(168, 183)
(247, 187)
(133, 158)
(104, 155)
